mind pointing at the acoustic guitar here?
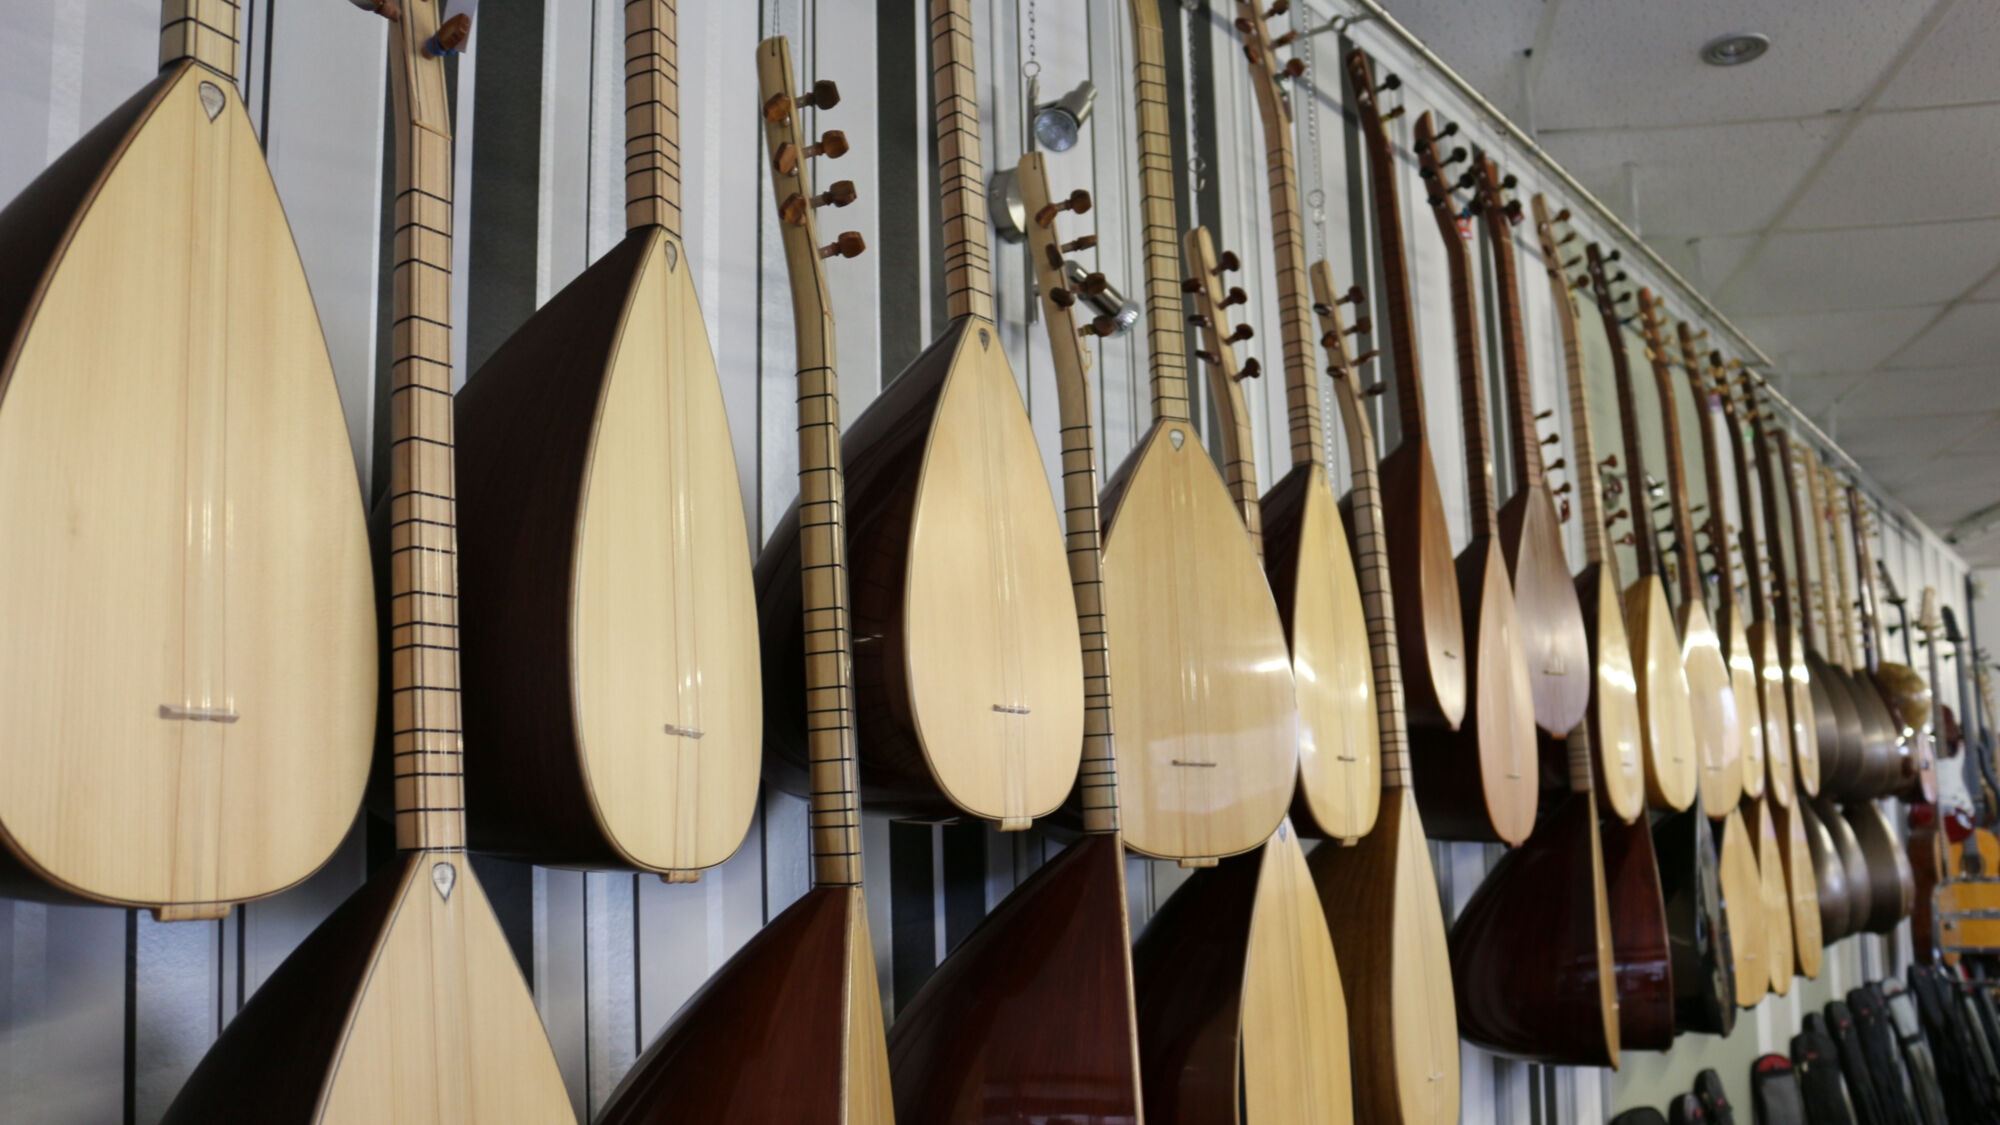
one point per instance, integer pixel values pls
(1032, 1016)
(1775, 689)
(1612, 718)
(1905, 696)
(1305, 544)
(1880, 738)
(1785, 620)
(1480, 781)
(1673, 766)
(1380, 895)
(190, 695)
(1545, 597)
(1718, 729)
(610, 626)
(406, 1003)
(967, 671)
(1835, 702)
(1912, 694)
(1241, 1013)
(790, 1028)
(1431, 628)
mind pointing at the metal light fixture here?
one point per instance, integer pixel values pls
(1057, 122)
(1735, 50)
(1102, 296)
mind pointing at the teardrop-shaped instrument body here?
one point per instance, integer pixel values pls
(1752, 712)
(1829, 875)
(1615, 736)
(1780, 946)
(1801, 888)
(1718, 729)
(1546, 603)
(610, 644)
(1639, 938)
(1704, 965)
(1782, 730)
(1743, 907)
(189, 648)
(1430, 625)
(1666, 716)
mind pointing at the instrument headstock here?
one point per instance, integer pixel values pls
(1367, 103)
(1341, 363)
(791, 155)
(1434, 161)
(1261, 48)
(1602, 276)
(1553, 232)
(1219, 335)
(1489, 193)
(1061, 281)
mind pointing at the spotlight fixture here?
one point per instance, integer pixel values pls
(1004, 206)
(1104, 297)
(1735, 50)
(1057, 122)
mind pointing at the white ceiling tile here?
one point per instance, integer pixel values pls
(1929, 263)
(1629, 65)
(1839, 341)
(1706, 180)
(1889, 394)
(1955, 64)
(1894, 437)
(1991, 290)
(1484, 42)
(1717, 256)
(1814, 394)
(1908, 166)
(1968, 335)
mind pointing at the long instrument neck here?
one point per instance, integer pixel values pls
(428, 742)
(1159, 219)
(199, 31)
(1371, 549)
(1711, 466)
(1529, 470)
(1746, 506)
(1846, 603)
(1238, 440)
(1589, 485)
(1471, 377)
(1689, 560)
(1871, 612)
(968, 260)
(1395, 263)
(1810, 512)
(1774, 518)
(1637, 500)
(1828, 547)
(652, 116)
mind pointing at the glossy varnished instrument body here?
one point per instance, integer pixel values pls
(1890, 892)
(611, 671)
(1305, 543)
(1380, 895)
(1032, 1015)
(1741, 883)
(790, 1028)
(1829, 874)
(1801, 887)
(1774, 685)
(190, 698)
(1784, 630)
(1430, 628)
(1781, 950)
(1836, 713)
(968, 672)
(1612, 718)
(1641, 945)
(1697, 930)
(1480, 781)
(406, 1004)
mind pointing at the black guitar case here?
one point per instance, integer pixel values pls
(1918, 1059)
(1686, 1110)
(1645, 1115)
(1884, 1055)
(1854, 1065)
(1691, 886)
(1816, 1061)
(1714, 1102)
(1968, 1077)
(1774, 1091)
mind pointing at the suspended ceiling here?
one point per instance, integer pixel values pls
(1839, 198)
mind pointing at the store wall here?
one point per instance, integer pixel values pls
(104, 1012)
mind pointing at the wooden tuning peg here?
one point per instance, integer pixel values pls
(1200, 320)
(793, 209)
(1243, 332)
(1557, 465)
(1277, 8)
(1227, 263)
(1093, 283)
(1207, 357)
(1361, 327)
(848, 245)
(1561, 490)
(832, 145)
(1354, 296)
(1062, 297)
(1364, 357)
(449, 37)
(1563, 513)
(1285, 40)
(823, 95)
(840, 194)
(1552, 439)
(1392, 114)
(1236, 297)
(1393, 82)
(1545, 415)
(1562, 216)
(1086, 242)
(1102, 326)
(1295, 68)
(1251, 369)
(1626, 540)
(1191, 285)
(1376, 390)
(777, 107)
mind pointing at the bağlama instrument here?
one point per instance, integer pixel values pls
(1048, 974)
(1612, 717)
(1259, 1032)
(1380, 895)
(1774, 685)
(1883, 754)
(790, 1028)
(406, 1004)
(1911, 698)
(1479, 781)
(1304, 543)
(1206, 715)
(967, 672)
(190, 638)
(610, 626)
(1799, 700)
(1836, 694)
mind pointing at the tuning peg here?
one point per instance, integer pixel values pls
(1200, 320)
(1093, 283)
(777, 107)
(1227, 263)
(1236, 297)
(1613, 256)
(1610, 462)
(1285, 40)
(1277, 8)
(1507, 182)
(1393, 82)
(1567, 238)
(1457, 154)
(1556, 465)
(1563, 517)
(1560, 490)
(1251, 369)
(1293, 68)
(1545, 415)
(1616, 516)
(823, 95)
(1361, 326)
(1102, 326)
(840, 194)
(1354, 296)
(1562, 216)
(832, 145)
(1242, 332)
(1086, 242)
(1513, 210)
(848, 245)
(1626, 540)
(1078, 202)
(1062, 296)
(1552, 439)
(1378, 389)
(1207, 357)
(1392, 115)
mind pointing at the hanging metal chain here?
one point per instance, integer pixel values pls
(1317, 198)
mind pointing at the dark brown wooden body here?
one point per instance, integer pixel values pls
(1526, 964)
(1187, 978)
(1882, 749)
(762, 1041)
(1031, 1018)
(882, 450)
(1891, 886)
(1430, 621)
(1838, 724)
(1639, 940)
(1852, 861)
(525, 428)
(1690, 884)
(1829, 874)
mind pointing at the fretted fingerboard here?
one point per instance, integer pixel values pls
(1677, 485)
(1781, 571)
(968, 259)
(1480, 490)
(427, 741)
(1388, 208)
(652, 116)
(1746, 506)
(201, 30)
(1159, 222)
(1529, 470)
(1711, 468)
(1589, 486)
(1636, 496)
(1238, 441)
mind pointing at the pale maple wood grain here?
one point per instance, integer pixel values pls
(1743, 908)
(1295, 1032)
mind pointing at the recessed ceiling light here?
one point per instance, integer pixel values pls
(1735, 50)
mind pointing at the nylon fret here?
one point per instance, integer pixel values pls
(201, 31)
(968, 263)
(1159, 223)
(1589, 486)
(652, 116)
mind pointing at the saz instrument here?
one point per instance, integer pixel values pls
(1836, 694)
(1031, 1017)
(1912, 694)
(790, 1028)
(1880, 742)
(610, 627)
(1673, 767)
(1380, 895)
(1613, 713)
(1548, 612)
(190, 642)
(1780, 944)
(1431, 628)
(1481, 780)
(1241, 1015)
(1928, 844)
(1785, 625)
(1718, 729)
(1740, 879)
(1774, 685)
(1889, 892)
(1906, 698)
(1304, 543)
(1830, 885)
(406, 1003)
(1205, 708)
(967, 671)
(1698, 930)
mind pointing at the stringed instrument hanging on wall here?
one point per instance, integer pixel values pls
(1760, 634)
(970, 684)
(406, 1004)
(190, 643)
